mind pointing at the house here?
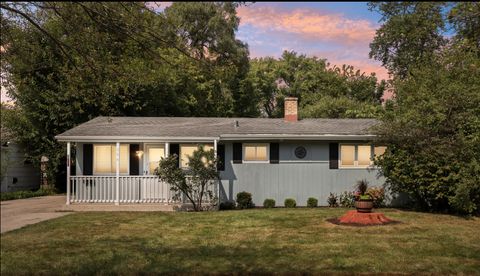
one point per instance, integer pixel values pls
(17, 173)
(270, 158)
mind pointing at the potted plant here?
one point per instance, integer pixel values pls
(363, 201)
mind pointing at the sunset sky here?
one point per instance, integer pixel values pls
(340, 32)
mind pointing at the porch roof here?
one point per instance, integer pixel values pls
(209, 128)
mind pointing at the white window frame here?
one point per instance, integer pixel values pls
(355, 160)
(255, 144)
(146, 155)
(114, 146)
(190, 144)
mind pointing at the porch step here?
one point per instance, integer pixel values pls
(108, 207)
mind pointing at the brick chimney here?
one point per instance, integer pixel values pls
(291, 110)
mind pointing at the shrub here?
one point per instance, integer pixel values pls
(332, 200)
(312, 202)
(378, 196)
(269, 203)
(362, 186)
(227, 205)
(290, 203)
(347, 199)
(25, 194)
(244, 200)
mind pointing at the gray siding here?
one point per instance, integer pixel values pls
(26, 175)
(295, 178)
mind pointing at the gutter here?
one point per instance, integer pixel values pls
(223, 137)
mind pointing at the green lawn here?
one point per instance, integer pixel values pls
(272, 240)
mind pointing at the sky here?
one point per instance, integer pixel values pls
(338, 31)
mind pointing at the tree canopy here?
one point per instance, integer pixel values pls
(323, 90)
(68, 62)
(432, 129)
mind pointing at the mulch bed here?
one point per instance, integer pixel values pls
(354, 218)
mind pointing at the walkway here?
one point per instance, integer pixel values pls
(21, 212)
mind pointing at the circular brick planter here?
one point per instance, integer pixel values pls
(355, 218)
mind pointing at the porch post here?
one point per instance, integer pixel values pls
(68, 173)
(117, 173)
(167, 149)
(215, 144)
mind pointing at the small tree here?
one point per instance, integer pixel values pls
(193, 181)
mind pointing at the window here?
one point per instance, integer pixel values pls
(154, 156)
(255, 152)
(364, 153)
(104, 159)
(355, 156)
(379, 150)
(347, 153)
(187, 150)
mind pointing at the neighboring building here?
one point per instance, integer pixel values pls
(16, 173)
(270, 158)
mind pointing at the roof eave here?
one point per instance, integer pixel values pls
(223, 137)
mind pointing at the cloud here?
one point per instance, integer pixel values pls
(271, 28)
(158, 5)
(308, 23)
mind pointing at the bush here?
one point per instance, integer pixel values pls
(244, 200)
(227, 205)
(269, 203)
(290, 203)
(347, 199)
(25, 194)
(332, 200)
(312, 202)
(378, 196)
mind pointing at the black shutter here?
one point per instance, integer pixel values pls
(237, 153)
(87, 159)
(274, 153)
(175, 149)
(221, 157)
(134, 160)
(333, 155)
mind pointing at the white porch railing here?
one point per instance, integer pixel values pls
(132, 189)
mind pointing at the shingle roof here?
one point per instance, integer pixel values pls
(214, 127)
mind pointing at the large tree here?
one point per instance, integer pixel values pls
(411, 32)
(323, 90)
(432, 129)
(66, 63)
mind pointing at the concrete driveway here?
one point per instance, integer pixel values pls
(21, 212)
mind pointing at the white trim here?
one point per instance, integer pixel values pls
(222, 137)
(113, 173)
(146, 156)
(117, 172)
(355, 158)
(134, 139)
(304, 161)
(189, 144)
(255, 161)
(68, 173)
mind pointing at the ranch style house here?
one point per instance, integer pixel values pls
(114, 157)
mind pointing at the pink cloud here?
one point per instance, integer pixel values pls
(158, 5)
(309, 24)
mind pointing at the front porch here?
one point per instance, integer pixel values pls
(129, 178)
(129, 189)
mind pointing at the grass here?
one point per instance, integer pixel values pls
(255, 241)
(24, 194)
